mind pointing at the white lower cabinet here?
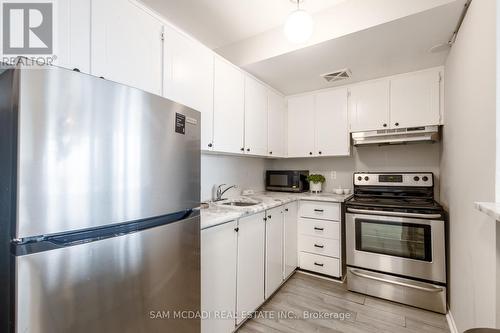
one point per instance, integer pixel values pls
(320, 264)
(319, 234)
(250, 271)
(218, 276)
(290, 259)
(243, 263)
(274, 250)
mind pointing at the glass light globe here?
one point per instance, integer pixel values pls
(298, 26)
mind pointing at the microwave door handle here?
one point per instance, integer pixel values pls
(380, 212)
(399, 283)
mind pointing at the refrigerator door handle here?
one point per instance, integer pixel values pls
(51, 242)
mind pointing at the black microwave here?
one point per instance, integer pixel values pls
(287, 180)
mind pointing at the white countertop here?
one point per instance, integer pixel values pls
(215, 215)
(491, 209)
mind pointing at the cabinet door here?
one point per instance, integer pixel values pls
(332, 133)
(218, 275)
(255, 117)
(369, 106)
(189, 78)
(127, 45)
(274, 250)
(415, 99)
(73, 34)
(276, 125)
(290, 238)
(250, 282)
(228, 107)
(301, 126)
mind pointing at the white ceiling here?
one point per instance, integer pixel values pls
(217, 23)
(391, 48)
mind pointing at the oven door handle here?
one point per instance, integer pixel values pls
(403, 284)
(381, 212)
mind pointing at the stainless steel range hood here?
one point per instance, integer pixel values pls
(397, 136)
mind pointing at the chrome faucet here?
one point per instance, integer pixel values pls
(221, 192)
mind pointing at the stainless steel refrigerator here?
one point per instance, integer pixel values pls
(99, 185)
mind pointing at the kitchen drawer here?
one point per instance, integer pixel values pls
(318, 245)
(319, 228)
(319, 264)
(320, 210)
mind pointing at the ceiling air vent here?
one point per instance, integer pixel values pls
(339, 75)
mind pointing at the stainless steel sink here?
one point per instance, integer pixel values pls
(240, 203)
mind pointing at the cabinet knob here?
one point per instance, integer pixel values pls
(210, 145)
(242, 149)
(397, 124)
(286, 209)
(269, 216)
(76, 70)
(319, 152)
(310, 153)
(270, 153)
(385, 125)
(236, 229)
(248, 149)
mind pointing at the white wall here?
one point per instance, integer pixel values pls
(246, 172)
(417, 157)
(468, 167)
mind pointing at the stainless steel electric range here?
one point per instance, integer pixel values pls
(395, 239)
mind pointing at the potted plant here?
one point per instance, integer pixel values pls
(315, 182)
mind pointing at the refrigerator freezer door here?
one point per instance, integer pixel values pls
(93, 153)
(132, 283)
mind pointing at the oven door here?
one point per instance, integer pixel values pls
(283, 181)
(405, 246)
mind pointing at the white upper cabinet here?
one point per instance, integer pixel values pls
(228, 107)
(301, 126)
(189, 78)
(73, 34)
(369, 106)
(276, 125)
(318, 124)
(127, 45)
(255, 117)
(415, 99)
(332, 133)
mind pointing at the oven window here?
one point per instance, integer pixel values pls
(406, 240)
(278, 180)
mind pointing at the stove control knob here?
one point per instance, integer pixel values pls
(416, 178)
(366, 178)
(425, 178)
(360, 178)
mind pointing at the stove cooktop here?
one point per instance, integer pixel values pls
(400, 203)
(397, 192)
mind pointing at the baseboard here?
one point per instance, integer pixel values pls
(321, 276)
(451, 322)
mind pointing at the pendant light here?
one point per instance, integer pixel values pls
(299, 24)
